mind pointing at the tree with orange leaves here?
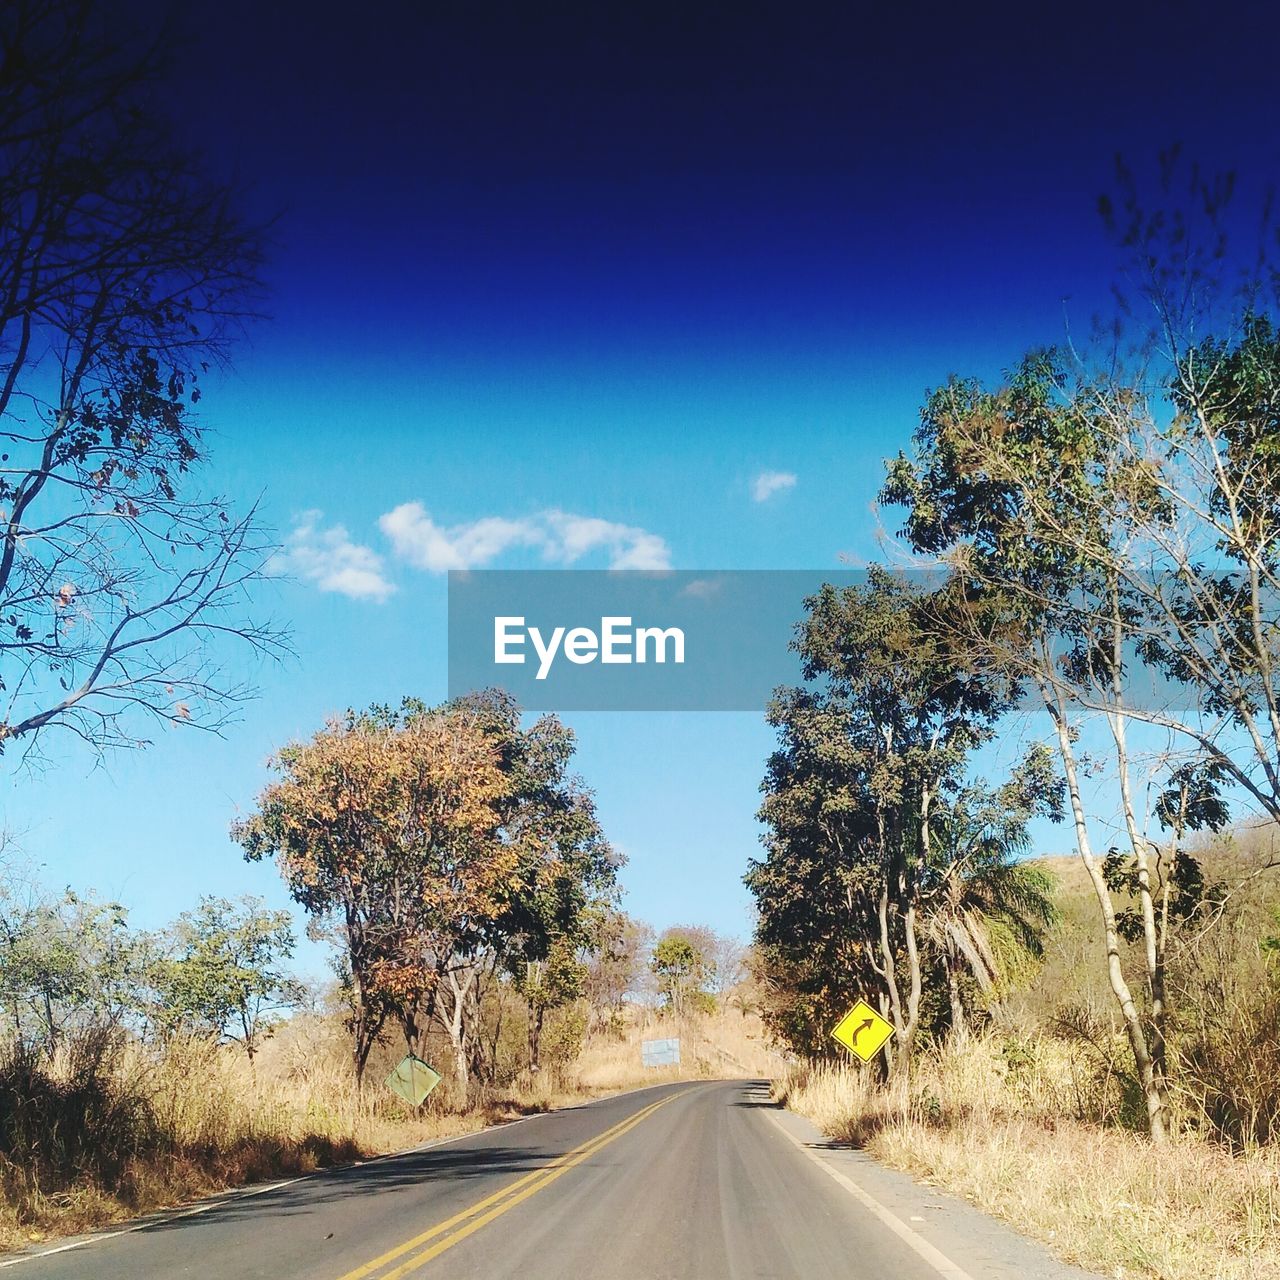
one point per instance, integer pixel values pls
(450, 847)
(390, 831)
(558, 873)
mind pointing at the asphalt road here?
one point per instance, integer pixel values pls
(696, 1181)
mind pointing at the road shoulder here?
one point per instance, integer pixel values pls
(975, 1244)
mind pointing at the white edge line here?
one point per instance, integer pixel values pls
(932, 1255)
(217, 1201)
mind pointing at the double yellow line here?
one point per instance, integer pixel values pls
(445, 1235)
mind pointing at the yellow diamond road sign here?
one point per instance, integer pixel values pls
(863, 1031)
(413, 1080)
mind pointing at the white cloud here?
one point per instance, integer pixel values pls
(331, 561)
(417, 538)
(561, 536)
(629, 546)
(641, 550)
(767, 483)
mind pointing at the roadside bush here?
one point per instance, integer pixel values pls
(1228, 1038)
(76, 1118)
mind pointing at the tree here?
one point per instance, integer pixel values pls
(223, 973)
(861, 800)
(997, 476)
(681, 963)
(816, 907)
(564, 878)
(983, 907)
(453, 847)
(728, 963)
(546, 984)
(69, 964)
(1112, 514)
(616, 966)
(917, 707)
(124, 275)
(722, 958)
(392, 831)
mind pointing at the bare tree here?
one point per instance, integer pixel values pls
(729, 964)
(124, 275)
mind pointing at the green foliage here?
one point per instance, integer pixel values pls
(566, 870)
(69, 964)
(549, 984)
(877, 845)
(224, 975)
(681, 970)
(986, 911)
(564, 1036)
(1178, 884)
(557, 980)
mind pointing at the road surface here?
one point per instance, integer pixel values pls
(702, 1181)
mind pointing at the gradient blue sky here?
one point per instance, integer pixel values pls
(547, 258)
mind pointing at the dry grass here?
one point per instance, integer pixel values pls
(1007, 1135)
(206, 1119)
(210, 1120)
(723, 1044)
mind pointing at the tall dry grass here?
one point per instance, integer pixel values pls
(108, 1128)
(1016, 1132)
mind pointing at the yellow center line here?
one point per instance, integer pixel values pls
(512, 1195)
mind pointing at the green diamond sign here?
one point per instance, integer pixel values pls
(413, 1080)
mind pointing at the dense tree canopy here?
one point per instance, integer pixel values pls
(865, 801)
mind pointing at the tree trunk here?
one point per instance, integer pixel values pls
(461, 1067)
(916, 979)
(455, 1024)
(1115, 971)
(409, 1025)
(360, 1055)
(462, 1071)
(887, 1060)
(959, 1019)
(536, 1015)
(1152, 937)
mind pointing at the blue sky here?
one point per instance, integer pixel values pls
(616, 268)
